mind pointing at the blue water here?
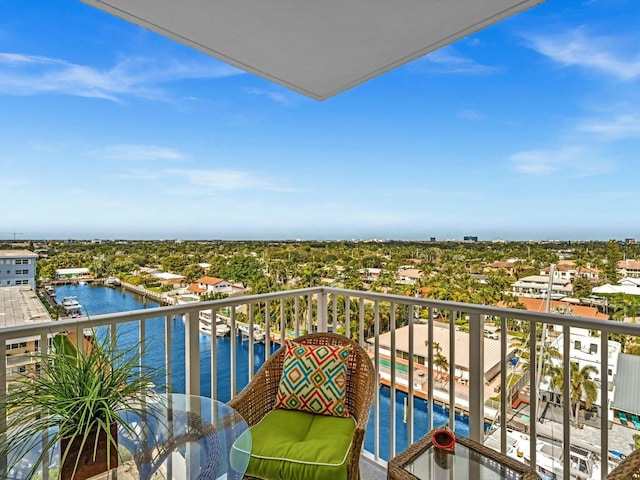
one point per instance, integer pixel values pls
(99, 300)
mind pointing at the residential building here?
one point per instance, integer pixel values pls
(536, 286)
(408, 276)
(213, 285)
(566, 269)
(627, 286)
(508, 267)
(18, 267)
(629, 268)
(370, 274)
(584, 350)
(20, 306)
(493, 358)
(73, 274)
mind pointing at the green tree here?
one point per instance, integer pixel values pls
(581, 389)
(241, 268)
(613, 256)
(193, 272)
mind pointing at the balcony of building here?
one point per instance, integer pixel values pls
(480, 381)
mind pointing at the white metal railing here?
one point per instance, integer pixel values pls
(368, 316)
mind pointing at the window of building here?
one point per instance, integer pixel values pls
(577, 345)
(22, 272)
(16, 346)
(22, 282)
(593, 348)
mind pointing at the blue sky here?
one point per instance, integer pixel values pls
(526, 130)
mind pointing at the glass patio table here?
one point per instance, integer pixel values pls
(189, 437)
(421, 461)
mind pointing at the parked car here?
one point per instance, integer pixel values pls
(491, 335)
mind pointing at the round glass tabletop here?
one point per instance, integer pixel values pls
(187, 437)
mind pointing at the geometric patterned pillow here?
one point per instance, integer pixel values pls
(314, 379)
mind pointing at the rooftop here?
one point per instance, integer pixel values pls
(20, 306)
(17, 253)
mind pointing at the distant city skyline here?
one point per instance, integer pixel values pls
(527, 130)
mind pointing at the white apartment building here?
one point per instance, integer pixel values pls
(585, 350)
(567, 270)
(536, 286)
(18, 267)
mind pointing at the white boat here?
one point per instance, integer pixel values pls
(72, 306)
(584, 462)
(222, 329)
(112, 282)
(258, 333)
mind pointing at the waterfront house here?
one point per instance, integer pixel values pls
(214, 285)
(492, 360)
(73, 274)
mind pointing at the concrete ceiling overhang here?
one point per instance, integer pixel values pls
(317, 48)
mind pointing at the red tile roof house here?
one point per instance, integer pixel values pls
(213, 284)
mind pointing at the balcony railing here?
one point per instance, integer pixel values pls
(477, 376)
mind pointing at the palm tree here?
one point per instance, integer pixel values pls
(582, 388)
(440, 361)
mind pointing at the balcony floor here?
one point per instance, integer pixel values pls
(371, 471)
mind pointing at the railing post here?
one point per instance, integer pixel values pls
(3, 410)
(322, 311)
(192, 354)
(476, 378)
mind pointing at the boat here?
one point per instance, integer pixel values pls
(258, 333)
(112, 282)
(584, 462)
(72, 306)
(222, 329)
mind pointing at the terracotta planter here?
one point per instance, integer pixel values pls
(88, 466)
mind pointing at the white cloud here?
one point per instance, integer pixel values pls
(277, 97)
(574, 161)
(140, 153)
(469, 114)
(22, 74)
(224, 179)
(618, 128)
(575, 48)
(446, 60)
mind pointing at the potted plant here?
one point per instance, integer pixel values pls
(76, 399)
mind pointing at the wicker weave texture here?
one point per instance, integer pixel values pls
(258, 398)
(396, 471)
(628, 469)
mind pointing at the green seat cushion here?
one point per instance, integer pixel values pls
(290, 445)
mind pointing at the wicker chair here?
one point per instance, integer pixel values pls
(258, 398)
(628, 469)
